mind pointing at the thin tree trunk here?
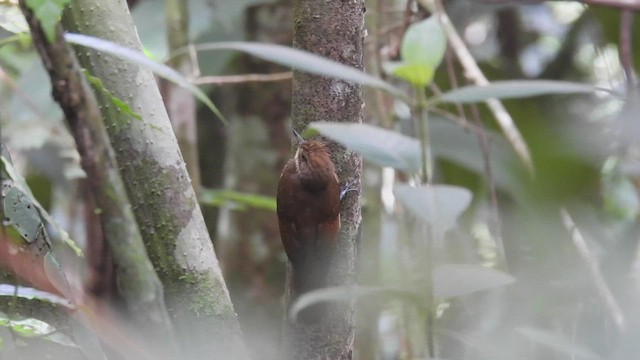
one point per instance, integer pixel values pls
(333, 29)
(160, 189)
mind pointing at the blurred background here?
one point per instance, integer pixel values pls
(566, 230)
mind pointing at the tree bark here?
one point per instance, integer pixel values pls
(159, 187)
(333, 29)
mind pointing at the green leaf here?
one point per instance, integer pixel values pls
(437, 205)
(240, 200)
(423, 47)
(349, 293)
(557, 342)
(31, 293)
(304, 61)
(121, 105)
(20, 212)
(140, 59)
(510, 89)
(49, 13)
(11, 18)
(452, 280)
(380, 146)
(30, 327)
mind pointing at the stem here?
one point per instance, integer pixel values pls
(423, 132)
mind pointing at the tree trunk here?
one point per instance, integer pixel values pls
(333, 29)
(159, 188)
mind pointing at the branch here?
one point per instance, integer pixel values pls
(139, 284)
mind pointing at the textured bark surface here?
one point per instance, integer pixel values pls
(333, 29)
(159, 188)
(138, 282)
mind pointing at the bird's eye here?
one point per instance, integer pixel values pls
(303, 157)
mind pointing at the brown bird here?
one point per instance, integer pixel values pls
(308, 203)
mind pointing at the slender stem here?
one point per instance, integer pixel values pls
(423, 132)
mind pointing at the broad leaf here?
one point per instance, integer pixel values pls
(304, 61)
(510, 89)
(423, 47)
(346, 293)
(140, 59)
(30, 327)
(437, 205)
(21, 213)
(558, 343)
(49, 13)
(11, 18)
(452, 280)
(380, 146)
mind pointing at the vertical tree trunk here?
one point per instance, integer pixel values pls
(333, 29)
(159, 187)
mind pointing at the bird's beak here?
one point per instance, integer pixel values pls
(297, 136)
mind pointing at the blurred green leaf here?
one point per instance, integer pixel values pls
(350, 293)
(140, 59)
(11, 18)
(212, 197)
(30, 327)
(423, 47)
(437, 205)
(49, 13)
(380, 146)
(510, 89)
(305, 61)
(557, 342)
(31, 293)
(452, 280)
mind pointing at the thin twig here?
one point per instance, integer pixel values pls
(238, 79)
(626, 51)
(620, 4)
(601, 286)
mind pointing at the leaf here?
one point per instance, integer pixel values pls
(423, 47)
(437, 205)
(121, 105)
(49, 13)
(510, 89)
(30, 327)
(54, 230)
(452, 280)
(140, 59)
(349, 293)
(20, 212)
(11, 18)
(85, 337)
(213, 197)
(31, 293)
(380, 146)
(304, 61)
(56, 276)
(557, 342)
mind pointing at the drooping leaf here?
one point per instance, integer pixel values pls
(140, 59)
(31, 293)
(30, 327)
(558, 343)
(510, 89)
(49, 13)
(304, 61)
(423, 47)
(121, 105)
(22, 214)
(346, 293)
(437, 205)
(452, 280)
(212, 197)
(380, 146)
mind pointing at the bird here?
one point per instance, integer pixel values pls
(308, 208)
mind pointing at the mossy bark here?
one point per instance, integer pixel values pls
(333, 29)
(160, 190)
